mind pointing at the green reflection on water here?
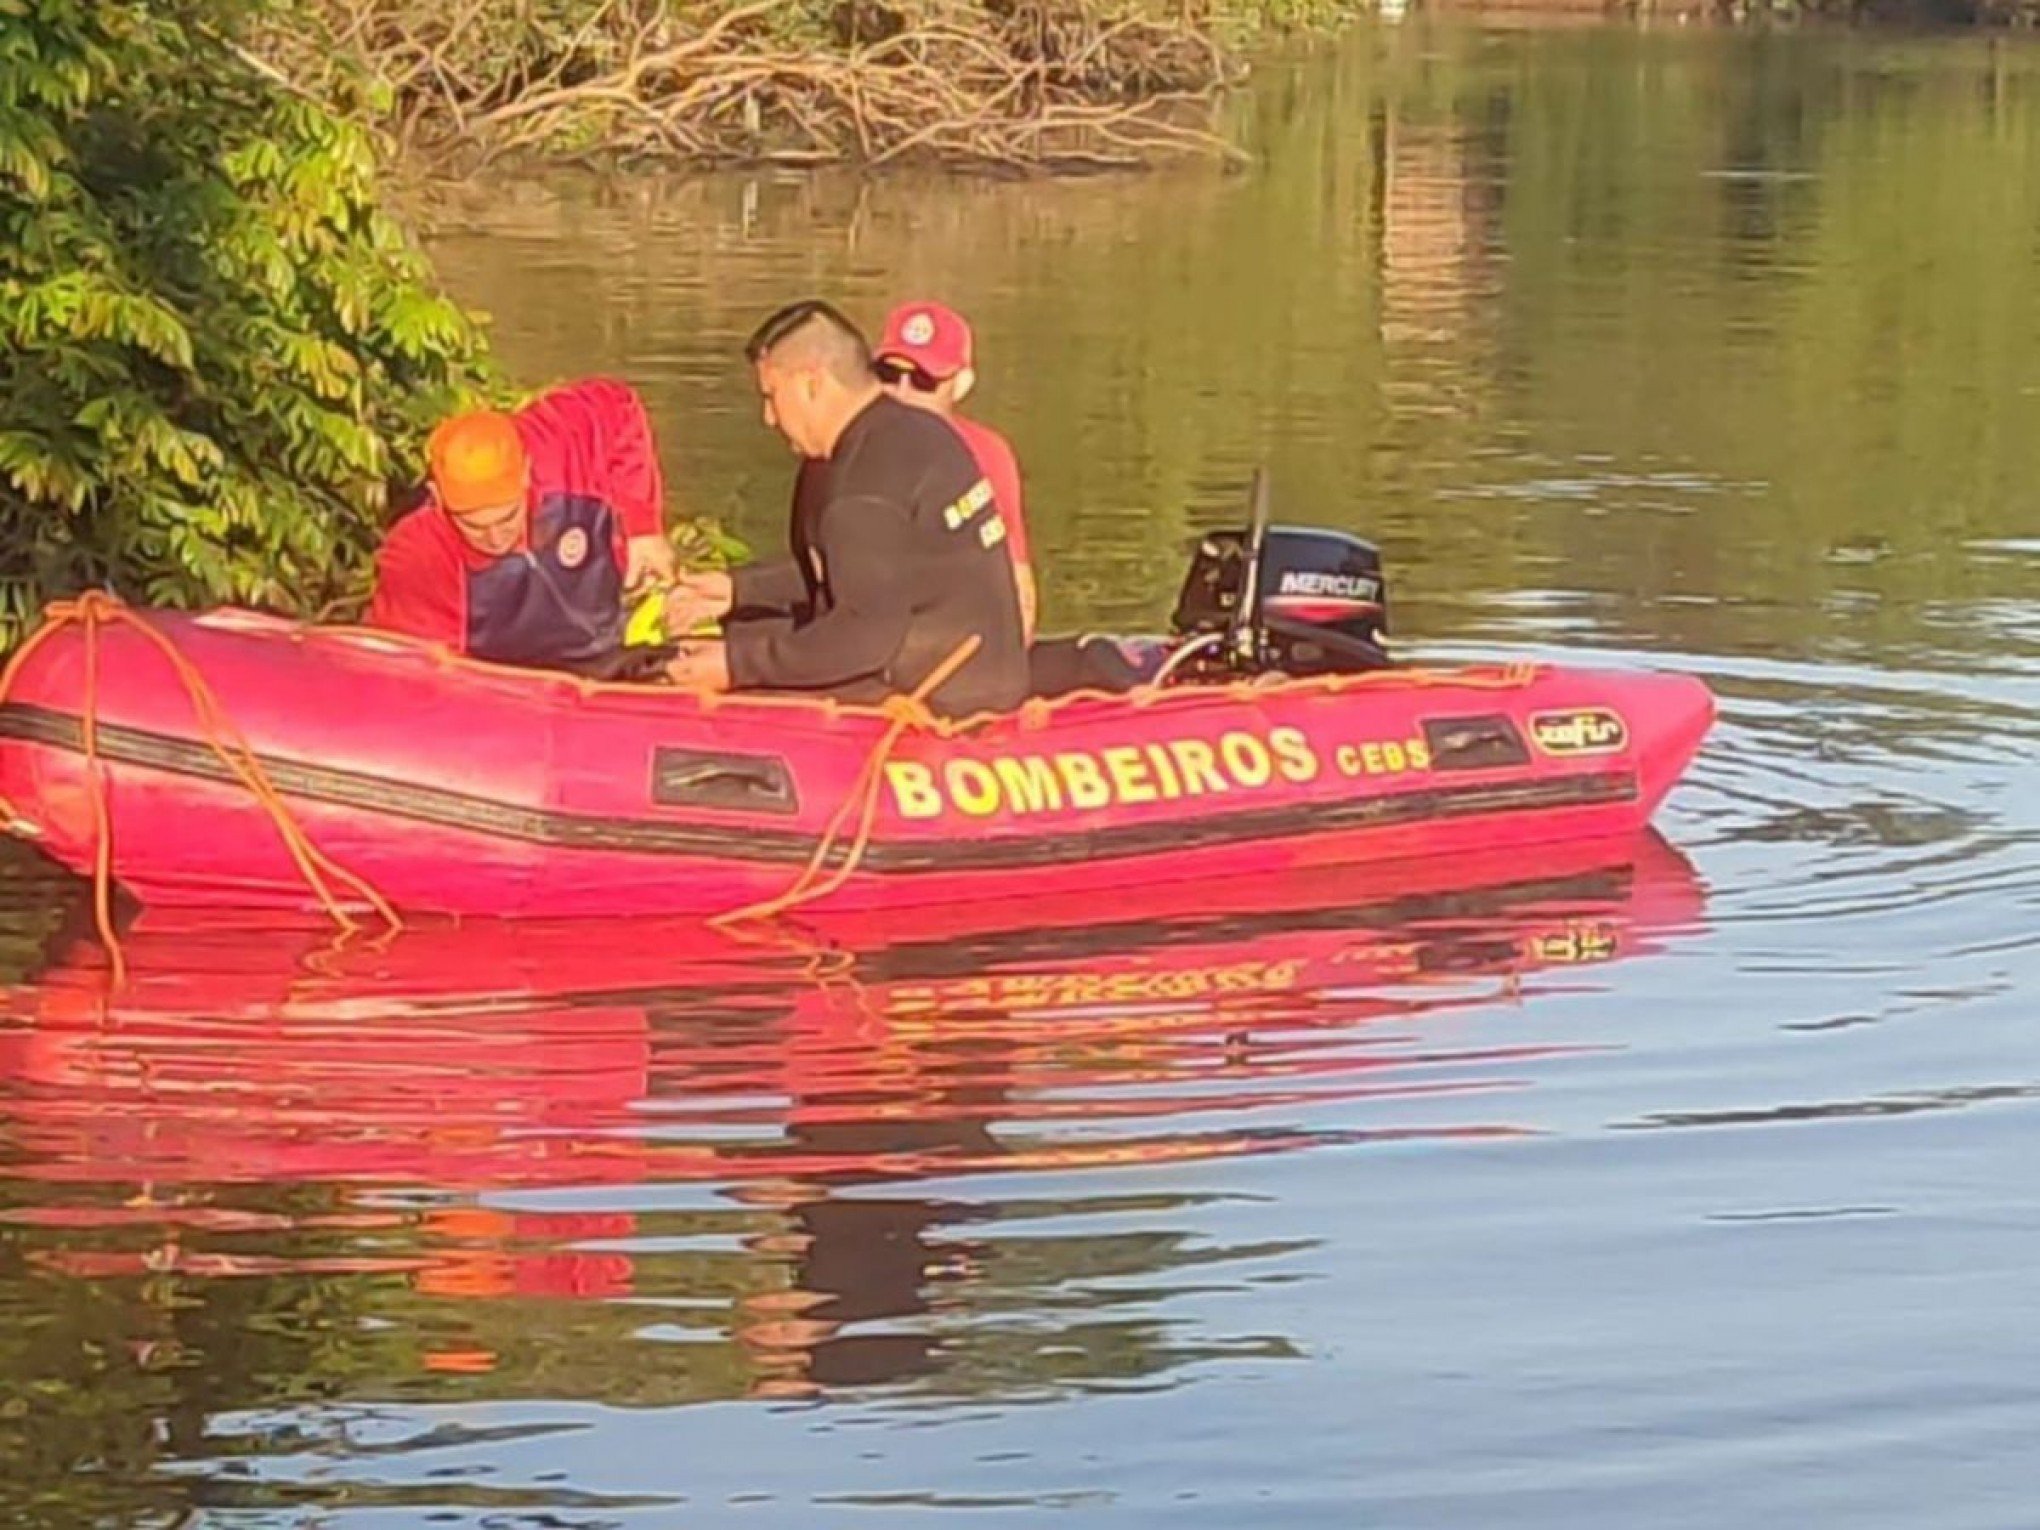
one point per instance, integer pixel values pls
(1742, 321)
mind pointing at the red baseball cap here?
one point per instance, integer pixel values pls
(929, 336)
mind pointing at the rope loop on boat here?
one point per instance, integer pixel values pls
(901, 713)
(96, 609)
(911, 711)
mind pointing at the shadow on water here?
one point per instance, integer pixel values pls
(650, 1166)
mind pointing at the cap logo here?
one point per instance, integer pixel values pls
(573, 547)
(919, 329)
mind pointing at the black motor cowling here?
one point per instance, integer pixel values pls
(1315, 602)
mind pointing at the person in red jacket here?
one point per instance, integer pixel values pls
(535, 525)
(924, 359)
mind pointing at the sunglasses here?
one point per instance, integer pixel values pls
(891, 369)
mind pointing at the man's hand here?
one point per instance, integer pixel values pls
(647, 560)
(696, 598)
(700, 667)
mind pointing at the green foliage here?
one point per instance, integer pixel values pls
(703, 542)
(215, 353)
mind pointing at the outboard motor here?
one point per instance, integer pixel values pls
(1298, 600)
(1291, 600)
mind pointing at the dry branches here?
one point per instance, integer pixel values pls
(1015, 83)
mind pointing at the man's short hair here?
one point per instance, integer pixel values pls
(812, 333)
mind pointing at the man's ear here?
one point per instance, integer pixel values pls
(963, 382)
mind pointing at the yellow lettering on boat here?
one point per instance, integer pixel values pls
(913, 787)
(1273, 761)
(1165, 771)
(1199, 763)
(1294, 757)
(1128, 770)
(1382, 757)
(1246, 758)
(973, 787)
(1085, 780)
(1030, 783)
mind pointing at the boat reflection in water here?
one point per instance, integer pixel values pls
(763, 1153)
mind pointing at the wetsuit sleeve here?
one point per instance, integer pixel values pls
(773, 585)
(420, 586)
(594, 438)
(777, 586)
(864, 544)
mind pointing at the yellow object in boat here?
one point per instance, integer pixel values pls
(647, 625)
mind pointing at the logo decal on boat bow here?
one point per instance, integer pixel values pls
(1582, 730)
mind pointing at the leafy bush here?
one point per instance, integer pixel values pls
(215, 353)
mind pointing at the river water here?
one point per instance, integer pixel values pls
(1686, 1186)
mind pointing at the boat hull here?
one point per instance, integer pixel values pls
(466, 789)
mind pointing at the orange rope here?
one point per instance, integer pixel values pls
(60, 616)
(902, 713)
(225, 739)
(102, 819)
(1038, 712)
(93, 610)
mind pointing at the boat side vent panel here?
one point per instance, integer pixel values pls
(706, 778)
(1474, 743)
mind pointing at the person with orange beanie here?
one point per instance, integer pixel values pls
(535, 525)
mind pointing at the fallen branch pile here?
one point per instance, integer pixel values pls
(1015, 83)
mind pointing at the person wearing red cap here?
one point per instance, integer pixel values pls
(924, 358)
(534, 526)
(897, 579)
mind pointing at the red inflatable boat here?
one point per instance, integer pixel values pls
(456, 787)
(228, 748)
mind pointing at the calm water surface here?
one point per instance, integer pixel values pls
(1680, 1183)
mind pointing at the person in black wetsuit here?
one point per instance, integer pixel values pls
(898, 553)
